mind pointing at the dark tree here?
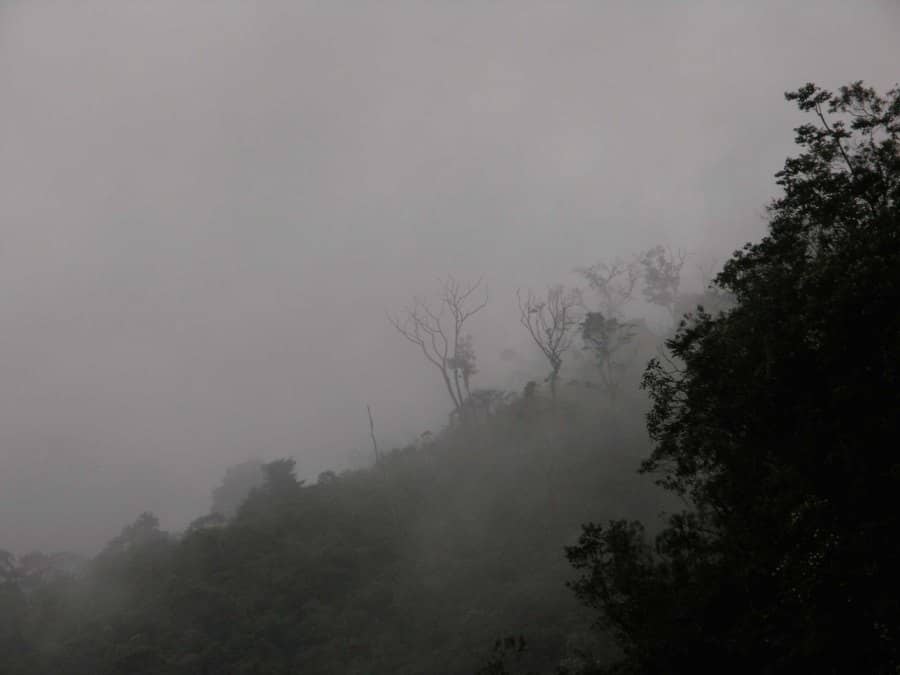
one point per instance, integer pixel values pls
(607, 337)
(778, 423)
(280, 477)
(8, 568)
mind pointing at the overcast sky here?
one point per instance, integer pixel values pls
(207, 206)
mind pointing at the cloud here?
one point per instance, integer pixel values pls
(207, 207)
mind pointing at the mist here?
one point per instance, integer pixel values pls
(207, 209)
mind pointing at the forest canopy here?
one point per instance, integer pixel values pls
(777, 421)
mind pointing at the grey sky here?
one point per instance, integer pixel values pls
(207, 207)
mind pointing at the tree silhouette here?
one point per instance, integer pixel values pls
(440, 333)
(777, 422)
(550, 322)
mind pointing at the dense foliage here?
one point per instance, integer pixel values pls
(778, 421)
(416, 565)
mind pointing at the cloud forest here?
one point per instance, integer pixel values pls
(691, 472)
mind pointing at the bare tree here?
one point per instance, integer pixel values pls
(439, 332)
(372, 433)
(551, 323)
(614, 282)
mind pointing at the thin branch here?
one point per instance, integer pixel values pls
(439, 333)
(837, 140)
(372, 433)
(550, 324)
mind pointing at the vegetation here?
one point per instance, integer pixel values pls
(777, 421)
(771, 415)
(413, 566)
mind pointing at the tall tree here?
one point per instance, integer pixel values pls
(614, 283)
(440, 333)
(777, 423)
(550, 322)
(605, 330)
(607, 337)
(661, 271)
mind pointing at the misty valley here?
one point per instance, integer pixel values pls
(582, 441)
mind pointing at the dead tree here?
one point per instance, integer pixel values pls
(372, 434)
(550, 322)
(438, 329)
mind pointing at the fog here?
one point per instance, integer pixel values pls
(207, 209)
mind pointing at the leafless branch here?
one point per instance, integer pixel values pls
(440, 333)
(550, 322)
(614, 282)
(372, 433)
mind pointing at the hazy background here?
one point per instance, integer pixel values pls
(206, 208)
